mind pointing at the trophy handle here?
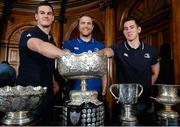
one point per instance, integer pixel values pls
(112, 86)
(140, 90)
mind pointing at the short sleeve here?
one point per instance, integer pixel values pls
(155, 57)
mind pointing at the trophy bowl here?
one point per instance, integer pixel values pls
(17, 102)
(84, 65)
(168, 96)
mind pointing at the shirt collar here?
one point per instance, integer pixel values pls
(128, 47)
(81, 41)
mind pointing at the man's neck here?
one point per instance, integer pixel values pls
(45, 29)
(85, 39)
(134, 44)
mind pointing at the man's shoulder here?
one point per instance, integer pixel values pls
(29, 32)
(69, 42)
(148, 46)
(119, 44)
(98, 42)
(31, 29)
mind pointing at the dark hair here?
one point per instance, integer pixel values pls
(131, 18)
(43, 3)
(6, 62)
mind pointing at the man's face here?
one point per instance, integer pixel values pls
(131, 30)
(85, 26)
(44, 16)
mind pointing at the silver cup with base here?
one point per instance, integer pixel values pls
(127, 95)
(167, 95)
(17, 103)
(83, 108)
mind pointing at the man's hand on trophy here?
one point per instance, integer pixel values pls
(101, 52)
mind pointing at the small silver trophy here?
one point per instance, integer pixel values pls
(167, 95)
(127, 94)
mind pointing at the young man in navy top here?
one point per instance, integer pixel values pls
(37, 52)
(136, 62)
(85, 43)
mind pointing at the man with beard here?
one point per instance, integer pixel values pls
(86, 43)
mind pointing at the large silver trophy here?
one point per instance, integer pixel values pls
(83, 66)
(167, 95)
(17, 102)
(127, 95)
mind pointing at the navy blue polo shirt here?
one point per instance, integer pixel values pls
(78, 46)
(134, 65)
(35, 69)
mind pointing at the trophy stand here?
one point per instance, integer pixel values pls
(17, 118)
(167, 112)
(127, 115)
(78, 97)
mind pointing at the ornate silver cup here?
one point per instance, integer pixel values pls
(18, 101)
(127, 94)
(167, 95)
(82, 66)
(83, 108)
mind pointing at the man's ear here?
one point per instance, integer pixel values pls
(139, 29)
(92, 27)
(36, 17)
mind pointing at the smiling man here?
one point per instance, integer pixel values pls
(37, 52)
(136, 62)
(86, 43)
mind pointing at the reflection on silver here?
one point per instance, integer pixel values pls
(94, 110)
(74, 117)
(84, 111)
(88, 64)
(80, 97)
(88, 115)
(88, 120)
(93, 114)
(19, 101)
(83, 66)
(93, 119)
(83, 121)
(89, 110)
(127, 94)
(84, 116)
(167, 95)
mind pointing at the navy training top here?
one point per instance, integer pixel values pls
(35, 69)
(134, 65)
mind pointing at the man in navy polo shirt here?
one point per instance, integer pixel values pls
(37, 52)
(136, 62)
(85, 43)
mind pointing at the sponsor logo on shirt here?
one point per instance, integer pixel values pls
(28, 35)
(146, 55)
(125, 54)
(76, 48)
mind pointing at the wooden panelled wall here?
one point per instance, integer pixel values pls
(157, 22)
